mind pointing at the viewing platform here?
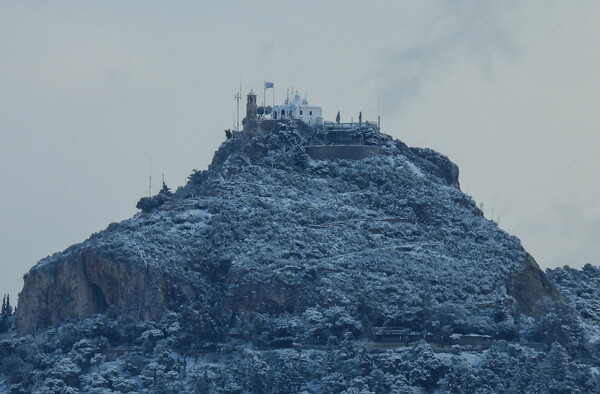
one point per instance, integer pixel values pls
(328, 125)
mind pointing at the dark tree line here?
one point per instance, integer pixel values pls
(6, 314)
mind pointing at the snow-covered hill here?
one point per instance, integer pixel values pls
(297, 274)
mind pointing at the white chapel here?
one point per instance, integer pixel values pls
(299, 109)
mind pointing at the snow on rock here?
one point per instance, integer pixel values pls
(275, 272)
(282, 234)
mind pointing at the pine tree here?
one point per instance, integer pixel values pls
(165, 190)
(257, 374)
(5, 314)
(557, 368)
(337, 118)
(9, 310)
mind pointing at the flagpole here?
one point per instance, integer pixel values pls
(268, 85)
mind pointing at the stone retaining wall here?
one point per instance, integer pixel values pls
(347, 152)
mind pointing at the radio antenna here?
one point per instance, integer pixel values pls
(238, 97)
(150, 185)
(378, 115)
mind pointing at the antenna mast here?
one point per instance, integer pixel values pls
(378, 115)
(150, 185)
(237, 98)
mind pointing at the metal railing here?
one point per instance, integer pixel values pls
(351, 125)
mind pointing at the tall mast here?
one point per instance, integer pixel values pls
(238, 97)
(378, 115)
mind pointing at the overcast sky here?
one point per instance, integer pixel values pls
(92, 92)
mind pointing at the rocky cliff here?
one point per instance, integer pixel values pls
(268, 233)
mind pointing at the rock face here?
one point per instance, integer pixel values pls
(267, 235)
(84, 283)
(531, 285)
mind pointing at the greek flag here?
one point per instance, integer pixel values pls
(269, 85)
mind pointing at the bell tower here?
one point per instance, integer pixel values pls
(251, 106)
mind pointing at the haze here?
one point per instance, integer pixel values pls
(92, 93)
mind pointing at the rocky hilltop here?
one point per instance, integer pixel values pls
(269, 231)
(295, 265)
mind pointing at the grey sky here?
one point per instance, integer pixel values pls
(91, 92)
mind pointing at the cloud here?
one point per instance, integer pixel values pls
(460, 30)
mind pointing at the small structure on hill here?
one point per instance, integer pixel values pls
(299, 109)
(251, 106)
(337, 140)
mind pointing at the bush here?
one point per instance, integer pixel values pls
(147, 204)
